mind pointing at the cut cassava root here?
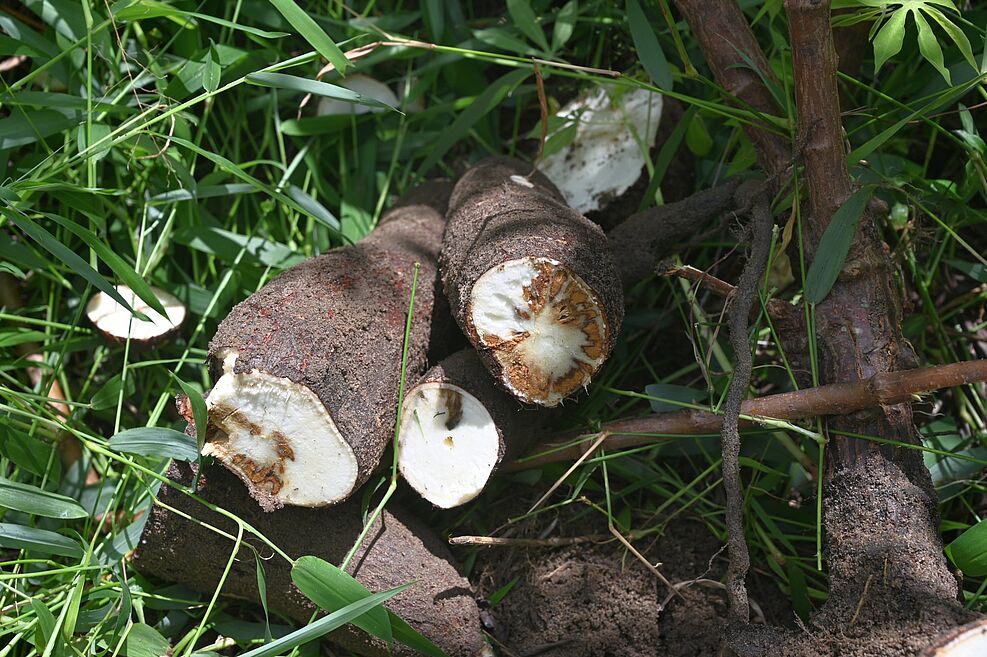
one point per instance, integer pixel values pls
(118, 324)
(456, 426)
(530, 281)
(309, 366)
(397, 550)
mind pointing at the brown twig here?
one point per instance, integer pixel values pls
(726, 40)
(883, 389)
(740, 310)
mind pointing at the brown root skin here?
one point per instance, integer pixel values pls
(399, 549)
(501, 211)
(335, 325)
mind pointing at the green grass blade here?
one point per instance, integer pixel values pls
(39, 540)
(156, 441)
(311, 32)
(39, 502)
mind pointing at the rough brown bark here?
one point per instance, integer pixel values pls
(500, 211)
(882, 389)
(397, 550)
(335, 324)
(645, 237)
(724, 36)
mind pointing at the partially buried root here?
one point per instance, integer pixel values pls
(397, 550)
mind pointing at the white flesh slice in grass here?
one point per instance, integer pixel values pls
(114, 320)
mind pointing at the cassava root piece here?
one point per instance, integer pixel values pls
(308, 367)
(457, 425)
(530, 281)
(397, 550)
(117, 323)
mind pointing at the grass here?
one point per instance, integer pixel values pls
(155, 132)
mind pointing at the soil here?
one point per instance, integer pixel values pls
(598, 600)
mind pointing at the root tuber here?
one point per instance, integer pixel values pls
(457, 426)
(530, 281)
(307, 393)
(399, 549)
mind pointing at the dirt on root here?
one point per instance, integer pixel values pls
(598, 600)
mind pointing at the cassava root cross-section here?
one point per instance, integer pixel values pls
(397, 550)
(530, 281)
(309, 366)
(456, 427)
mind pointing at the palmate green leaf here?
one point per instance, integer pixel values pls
(525, 19)
(890, 38)
(304, 85)
(156, 441)
(929, 46)
(37, 501)
(649, 51)
(39, 540)
(955, 33)
(969, 550)
(834, 246)
(118, 265)
(311, 32)
(66, 255)
(324, 625)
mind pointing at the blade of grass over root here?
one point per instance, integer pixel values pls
(37, 501)
(315, 87)
(834, 246)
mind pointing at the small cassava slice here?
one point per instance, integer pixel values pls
(398, 549)
(457, 425)
(530, 281)
(308, 367)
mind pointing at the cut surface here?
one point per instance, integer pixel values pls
(614, 131)
(448, 444)
(277, 436)
(114, 320)
(543, 324)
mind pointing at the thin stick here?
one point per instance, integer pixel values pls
(882, 389)
(592, 449)
(555, 541)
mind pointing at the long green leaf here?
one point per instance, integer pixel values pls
(118, 265)
(34, 500)
(22, 128)
(929, 46)
(648, 49)
(525, 19)
(889, 39)
(311, 32)
(39, 540)
(156, 441)
(332, 589)
(480, 106)
(66, 255)
(969, 550)
(304, 85)
(324, 625)
(834, 245)
(200, 413)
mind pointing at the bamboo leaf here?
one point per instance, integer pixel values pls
(304, 85)
(969, 550)
(331, 589)
(39, 540)
(525, 19)
(156, 441)
(39, 502)
(145, 641)
(66, 255)
(118, 265)
(649, 51)
(324, 625)
(480, 106)
(834, 246)
(211, 72)
(565, 23)
(20, 128)
(311, 32)
(200, 414)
